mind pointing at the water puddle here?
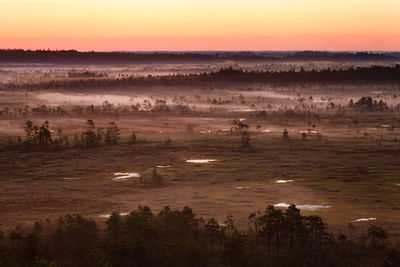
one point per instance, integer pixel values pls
(311, 132)
(303, 207)
(242, 187)
(241, 110)
(364, 219)
(109, 215)
(283, 181)
(201, 160)
(71, 178)
(125, 175)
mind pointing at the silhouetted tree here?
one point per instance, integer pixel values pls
(112, 134)
(285, 135)
(90, 137)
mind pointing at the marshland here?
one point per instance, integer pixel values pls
(226, 138)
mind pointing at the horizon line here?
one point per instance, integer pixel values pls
(207, 50)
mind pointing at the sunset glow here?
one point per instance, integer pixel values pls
(200, 25)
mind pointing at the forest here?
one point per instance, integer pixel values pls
(226, 77)
(274, 237)
(73, 56)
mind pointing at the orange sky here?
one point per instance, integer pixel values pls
(200, 24)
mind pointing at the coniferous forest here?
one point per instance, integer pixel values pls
(274, 237)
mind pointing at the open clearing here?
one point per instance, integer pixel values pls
(354, 175)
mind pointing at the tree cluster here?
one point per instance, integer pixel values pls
(366, 103)
(106, 108)
(94, 137)
(180, 238)
(41, 137)
(37, 135)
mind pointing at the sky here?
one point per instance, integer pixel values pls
(143, 25)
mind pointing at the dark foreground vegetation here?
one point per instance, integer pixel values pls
(73, 56)
(178, 238)
(229, 76)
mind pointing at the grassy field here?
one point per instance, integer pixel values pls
(357, 175)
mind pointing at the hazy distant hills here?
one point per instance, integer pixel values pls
(76, 57)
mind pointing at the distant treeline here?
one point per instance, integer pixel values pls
(142, 238)
(76, 57)
(360, 75)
